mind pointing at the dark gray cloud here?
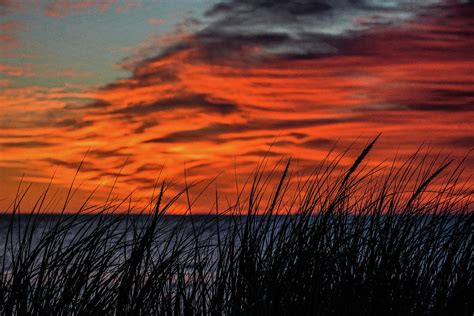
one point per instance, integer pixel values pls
(146, 124)
(460, 106)
(28, 144)
(214, 132)
(74, 165)
(315, 143)
(141, 180)
(284, 7)
(295, 28)
(96, 104)
(5, 6)
(55, 117)
(201, 167)
(281, 143)
(73, 123)
(465, 142)
(452, 99)
(13, 136)
(149, 167)
(263, 153)
(270, 137)
(283, 29)
(190, 101)
(318, 143)
(117, 153)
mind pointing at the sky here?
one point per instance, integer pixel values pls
(204, 88)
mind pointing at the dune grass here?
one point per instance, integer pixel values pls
(368, 241)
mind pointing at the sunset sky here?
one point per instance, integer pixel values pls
(207, 86)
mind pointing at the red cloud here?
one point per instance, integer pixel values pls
(8, 35)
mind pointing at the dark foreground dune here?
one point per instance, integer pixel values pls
(364, 242)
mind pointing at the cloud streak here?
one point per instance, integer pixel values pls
(9, 34)
(62, 8)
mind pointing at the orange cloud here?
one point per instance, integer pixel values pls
(212, 103)
(25, 70)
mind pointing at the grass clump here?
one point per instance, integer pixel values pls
(366, 241)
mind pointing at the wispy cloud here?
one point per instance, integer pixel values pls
(9, 35)
(29, 144)
(61, 8)
(25, 70)
(6, 6)
(64, 8)
(155, 21)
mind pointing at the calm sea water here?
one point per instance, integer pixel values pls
(85, 224)
(170, 229)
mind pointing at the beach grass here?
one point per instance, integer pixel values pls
(368, 241)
